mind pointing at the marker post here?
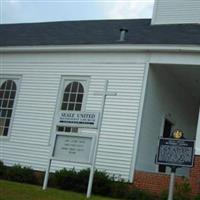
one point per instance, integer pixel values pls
(171, 183)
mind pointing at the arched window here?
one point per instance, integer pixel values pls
(73, 97)
(7, 97)
(72, 100)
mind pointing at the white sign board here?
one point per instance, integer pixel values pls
(78, 119)
(73, 148)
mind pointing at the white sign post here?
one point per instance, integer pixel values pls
(92, 170)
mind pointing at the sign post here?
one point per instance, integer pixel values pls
(171, 183)
(92, 170)
(175, 152)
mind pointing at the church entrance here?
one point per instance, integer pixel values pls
(172, 102)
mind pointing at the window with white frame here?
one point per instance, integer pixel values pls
(8, 91)
(72, 100)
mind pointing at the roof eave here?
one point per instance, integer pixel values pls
(103, 48)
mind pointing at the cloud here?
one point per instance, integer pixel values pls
(10, 9)
(19, 11)
(13, 1)
(130, 9)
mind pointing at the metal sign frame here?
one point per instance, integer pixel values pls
(176, 143)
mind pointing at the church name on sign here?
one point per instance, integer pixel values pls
(79, 119)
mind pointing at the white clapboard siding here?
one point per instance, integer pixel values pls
(30, 139)
(176, 12)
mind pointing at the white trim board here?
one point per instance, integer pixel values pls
(103, 48)
(137, 135)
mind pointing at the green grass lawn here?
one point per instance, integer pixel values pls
(17, 191)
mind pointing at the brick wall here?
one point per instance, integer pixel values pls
(157, 182)
(195, 176)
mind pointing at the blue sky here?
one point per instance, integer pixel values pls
(22, 11)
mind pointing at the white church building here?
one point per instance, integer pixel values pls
(151, 65)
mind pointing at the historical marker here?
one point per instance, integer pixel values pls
(175, 152)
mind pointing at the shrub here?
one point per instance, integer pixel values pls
(163, 195)
(2, 169)
(182, 192)
(119, 189)
(64, 179)
(197, 197)
(136, 194)
(82, 180)
(20, 174)
(51, 180)
(102, 183)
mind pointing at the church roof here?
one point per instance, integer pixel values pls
(94, 32)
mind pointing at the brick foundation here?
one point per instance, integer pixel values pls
(156, 182)
(195, 176)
